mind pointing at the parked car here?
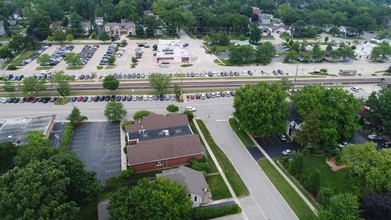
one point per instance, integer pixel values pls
(386, 145)
(354, 89)
(374, 137)
(344, 144)
(282, 137)
(190, 108)
(287, 152)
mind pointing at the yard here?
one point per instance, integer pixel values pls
(15, 61)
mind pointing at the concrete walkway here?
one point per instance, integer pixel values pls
(220, 169)
(283, 175)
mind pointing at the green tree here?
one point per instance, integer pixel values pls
(241, 54)
(60, 82)
(296, 165)
(69, 37)
(261, 108)
(159, 82)
(6, 52)
(39, 190)
(32, 85)
(177, 91)
(291, 56)
(341, 206)
(369, 168)
(160, 199)
(285, 83)
(75, 117)
(255, 33)
(141, 114)
(172, 108)
(329, 47)
(43, 59)
(265, 53)
(379, 103)
(73, 59)
(190, 115)
(338, 111)
(313, 182)
(317, 53)
(9, 87)
(63, 88)
(103, 36)
(8, 151)
(220, 39)
(59, 35)
(111, 60)
(334, 30)
(308, 136)
(114, 111)
(111, 83)
(380, 52)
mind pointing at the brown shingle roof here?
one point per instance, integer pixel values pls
(154, 121)
(162, 149)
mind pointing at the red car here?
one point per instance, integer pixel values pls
(192, 96)
(29, 99)
(80, 98)
(34, 100)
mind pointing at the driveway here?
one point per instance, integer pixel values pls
(97, 144)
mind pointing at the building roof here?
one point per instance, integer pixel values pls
(154, 122)
(17, 129)
(193, 180)
(146, 135)
(103, 214)
(85, 24)
(111, 24)
(163, 149)
(293, 115)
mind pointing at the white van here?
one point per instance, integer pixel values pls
(355, 89)
(190, 108)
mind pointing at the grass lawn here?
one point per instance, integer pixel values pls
(241, 133)
(221, 48)
(229, 170)
(292, 198)
(24, 55)
(338, 181)
(217, 187)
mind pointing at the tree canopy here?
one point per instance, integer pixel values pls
(159, 82)
(111, 83)
(33, 85)
(160, 199)
(380, 105)
(75, 117)
(261, 108)
(73, 59)
(337, 112)
(114, 111)
(341, 206)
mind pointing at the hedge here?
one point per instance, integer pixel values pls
(67, 136)
(126, 123)
(208, 213)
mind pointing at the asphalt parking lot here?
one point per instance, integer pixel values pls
(274, 146)
(98, 145)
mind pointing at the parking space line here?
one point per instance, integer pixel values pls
(264, 141)
(270, 139)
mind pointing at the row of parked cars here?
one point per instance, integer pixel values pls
(110, 52)
(28, 99)
(34, 55)
(87, 52)
(220, 74)
(60, 54)
(209, 95)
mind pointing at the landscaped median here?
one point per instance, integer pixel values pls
(242, 135)
(229, 170)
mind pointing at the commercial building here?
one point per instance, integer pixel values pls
(171, 50)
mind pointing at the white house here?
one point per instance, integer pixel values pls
(86, 27)
(194, 181)
(126, 27)
(265, 19)
(363, 51)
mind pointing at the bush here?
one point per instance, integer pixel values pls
(189, 114)
(172, 108)
(313, 182)
(67, 136)
(127, 173)
(126, 123)
(154, 47)
(99, 67)
(324, 196)
(141, 114)
(208, 213)
(125, 149)
(199, 165)
(12, 67)
(296, 165)
(323, 70)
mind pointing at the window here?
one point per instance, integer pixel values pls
(195, 198)
(159, 163)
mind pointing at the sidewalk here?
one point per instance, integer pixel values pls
(220, 169)
(283, 174)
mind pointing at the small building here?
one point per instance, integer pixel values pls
(294, 122)
(194, 182)
(265, 19)
(347, 72)
(158, 142)
(363, 51)
(16, 130)
(86, 27)
(126, 27)
(171, 50)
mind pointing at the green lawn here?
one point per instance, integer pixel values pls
(246, 140)
(229, 170)
(338, 181)
(24, 55)
(217, 187)
(292, 198)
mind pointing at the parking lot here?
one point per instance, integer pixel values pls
(274, 146)
(97, 144)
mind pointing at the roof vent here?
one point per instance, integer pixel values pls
(166, 132)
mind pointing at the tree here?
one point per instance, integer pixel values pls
(73, 59)
(140, 31)
(159, 82)
(111, 83)
(317, 53)
(43, 59)
(69, 37)
(60, 82)
(329, 47)
(308, 136)
(160, 199)
(376, 206)
(313, 182)
(285, 83)
(177, 91)
(291, 56)
(141, 114)
(255, 33)
(265, 53)
(8, 151)
(9, 86)
(32, 85)
(341, 206)
(115, 111)
(103, 36)
(39, 190)
(6, 52)
(379, 103)
(59, 35)
(63, 88)
(369, 168)
(381, 51)
(172, 108)
(261, 108)
(241, 54)
(337, 112)
(220, 39)
(296, 165)
(75, 117)
(111, 60)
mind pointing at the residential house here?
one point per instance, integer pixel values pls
(363, 51)
(86, 27)
(2, 30)
(265, 19)
(55, 25)
(98, 23)
(294, 122)
(158, 142)
(194, 182)
(17, 15)
(126, 27)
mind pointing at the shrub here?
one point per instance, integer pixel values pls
(313, 182)
(126, 123)
(208, 213)
(126, 149)
(141, 114)
(154, 47)
(127, 173)
(323, 70)
(199, 165)
(99, 67)
(67, 136)
(296, 165)
(324, 195)
(12, 67)
(189, 114)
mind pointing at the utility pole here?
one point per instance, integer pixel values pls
(294, 81)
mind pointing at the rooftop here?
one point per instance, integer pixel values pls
(155, 122)
(16, 129)
(146, 135)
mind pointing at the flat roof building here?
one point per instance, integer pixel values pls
(171, 50)
(15, 130)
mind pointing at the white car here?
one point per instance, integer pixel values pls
(287, 152)
(3, 100)
(282, 137)
(344, 144)
(375, 137)
(354, 89)
(190, 108)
